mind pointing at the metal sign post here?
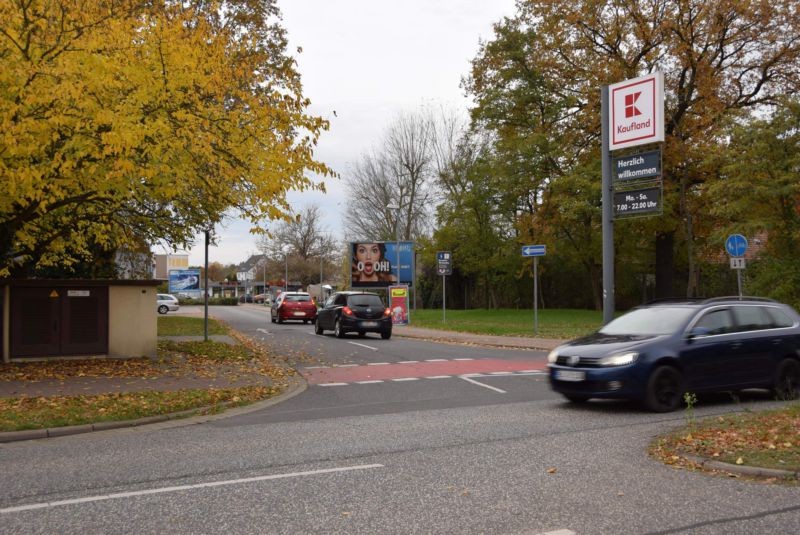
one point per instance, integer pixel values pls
(736, 246)
(535, 251)
(444, 266)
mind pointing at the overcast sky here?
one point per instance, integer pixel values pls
(369, 60)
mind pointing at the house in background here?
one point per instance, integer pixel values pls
(166, 262)
(251, 274)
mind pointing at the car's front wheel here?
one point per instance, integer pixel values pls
(337, 329)
(317, 327)
(572, 398)
(787, 380)
(665, 389)
(386, 335)
(163, 309)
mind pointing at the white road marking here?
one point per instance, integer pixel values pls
(407, 361)
(501, 373)
(264, 331)
(406, 379)
(162, 490)
(467, 378)
(369, 382)
(378, 363)
(346, 365)
(464, 359)
(438, 377)
(362, 345)
(334, 384)
(436, 360)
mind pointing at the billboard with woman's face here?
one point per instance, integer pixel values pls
(374, 264)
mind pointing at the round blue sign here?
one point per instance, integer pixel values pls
(736, 245)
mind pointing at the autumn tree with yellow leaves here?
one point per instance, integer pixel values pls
(128, 121)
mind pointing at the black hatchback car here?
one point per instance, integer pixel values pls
(359, 312)
(657, 352)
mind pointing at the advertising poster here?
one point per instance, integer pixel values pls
(398, 303)
(184, 280)
(374, 264)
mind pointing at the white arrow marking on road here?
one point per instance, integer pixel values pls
(467, 378)
(362, 345)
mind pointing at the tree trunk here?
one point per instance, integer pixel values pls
(665, 264)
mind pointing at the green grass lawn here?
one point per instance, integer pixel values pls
(554, 323)
(185, 326)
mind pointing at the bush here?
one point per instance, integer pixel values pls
(226, 301)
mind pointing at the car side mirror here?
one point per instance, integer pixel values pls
(697, 331)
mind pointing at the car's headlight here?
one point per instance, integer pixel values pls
(552, 356)
(619, 359)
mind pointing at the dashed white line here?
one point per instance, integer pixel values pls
(162, 490)
(407, 361)
(334, 384)
(438, 377)
(501, 373)
(369, 382)
(464, 359)
(406, 379)
(436, 360)
(378, 363)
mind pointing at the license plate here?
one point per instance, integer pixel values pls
(570, 375)
(369, 323)
(299, 313)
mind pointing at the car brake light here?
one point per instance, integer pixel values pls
(347, 311)
(387, 312)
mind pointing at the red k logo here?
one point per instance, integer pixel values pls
(630, 109)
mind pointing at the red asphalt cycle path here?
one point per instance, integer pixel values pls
(421, 369)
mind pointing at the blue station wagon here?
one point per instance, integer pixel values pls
(657, 352)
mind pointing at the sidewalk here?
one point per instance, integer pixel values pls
(513, 342)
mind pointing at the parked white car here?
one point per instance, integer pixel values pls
(167, 303)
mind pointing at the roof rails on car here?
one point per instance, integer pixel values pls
(739, 298)
(675, 300)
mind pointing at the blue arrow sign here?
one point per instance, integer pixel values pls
(736, 245)
(533, 250)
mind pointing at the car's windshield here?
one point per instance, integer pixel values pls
(365, 301)
(650, 321)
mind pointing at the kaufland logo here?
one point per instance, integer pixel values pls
(630, 104)
(636, 111)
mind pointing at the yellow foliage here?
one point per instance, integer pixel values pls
(123, 121)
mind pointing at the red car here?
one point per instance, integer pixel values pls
(293, 306)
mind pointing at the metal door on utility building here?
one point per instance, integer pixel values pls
(53, 321)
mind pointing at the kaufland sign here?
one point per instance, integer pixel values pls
(637, 111)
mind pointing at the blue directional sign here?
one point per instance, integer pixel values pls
(736, 245)
(533, 250)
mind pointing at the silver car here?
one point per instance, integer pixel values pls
(167, 303)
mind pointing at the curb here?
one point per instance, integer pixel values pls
(740, 469)
(182, 418)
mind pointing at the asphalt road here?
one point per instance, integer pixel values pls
(418, 455)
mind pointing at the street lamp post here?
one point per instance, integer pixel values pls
(396, 208)
(286, 264)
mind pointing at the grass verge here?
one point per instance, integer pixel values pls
(769, 439)
(566, 323)
(187, 326)
(47, 412)
(253, 374)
